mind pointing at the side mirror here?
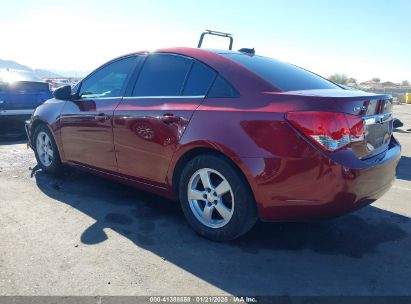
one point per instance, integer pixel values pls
(62, 93)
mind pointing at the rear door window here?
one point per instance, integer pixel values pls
(199, 80)
(162, 75)
(222, 89)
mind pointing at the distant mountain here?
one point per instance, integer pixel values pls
(76, 74)
(8, 64)
(46, 74)
(41, 73)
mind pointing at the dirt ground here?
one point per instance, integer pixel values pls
(78, 234)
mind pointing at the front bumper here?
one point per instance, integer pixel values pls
(318, 187)
(27, 124)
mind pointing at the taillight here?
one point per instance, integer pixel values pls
(356, 127)
(331, 131)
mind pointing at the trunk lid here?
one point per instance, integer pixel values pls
(375, 111)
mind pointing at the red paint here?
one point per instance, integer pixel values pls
(144, 141)
(85, 138)
(290, 176)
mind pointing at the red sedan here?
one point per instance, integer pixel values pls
(234, 136)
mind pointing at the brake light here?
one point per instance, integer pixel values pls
(331, 131)
(356, 126)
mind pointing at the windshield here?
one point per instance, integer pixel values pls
(284, 76)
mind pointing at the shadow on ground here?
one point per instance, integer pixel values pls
(346, 250)
(404, 168)
(402, 131)
(12, 140)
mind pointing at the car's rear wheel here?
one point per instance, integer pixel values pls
(216, 198)
(45, 150)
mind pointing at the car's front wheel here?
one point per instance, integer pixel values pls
(45, 150)
(216, 198)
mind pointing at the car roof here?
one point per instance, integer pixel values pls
(243, 80)
(187, 50)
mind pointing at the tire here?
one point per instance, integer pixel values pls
(49, 161)
(222, 210)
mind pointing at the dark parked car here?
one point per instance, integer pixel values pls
(234, 136)
(20, 93)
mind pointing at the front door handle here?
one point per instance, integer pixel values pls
(170, 118)
(101, 117)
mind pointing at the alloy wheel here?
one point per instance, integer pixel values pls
(44, 149)
(210, 198)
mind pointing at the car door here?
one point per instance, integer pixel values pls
(149, 123)
(86, 120)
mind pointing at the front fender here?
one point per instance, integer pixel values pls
(48, 113)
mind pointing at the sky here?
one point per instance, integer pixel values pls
(360, 38)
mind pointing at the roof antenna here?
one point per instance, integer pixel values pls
(247, 51)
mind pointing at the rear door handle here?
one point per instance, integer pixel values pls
(101, 117)
(170, 118)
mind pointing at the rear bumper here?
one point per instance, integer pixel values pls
(318, 187)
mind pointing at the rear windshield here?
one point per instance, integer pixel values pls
(284, 76)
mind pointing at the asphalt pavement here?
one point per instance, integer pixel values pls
(79, 234)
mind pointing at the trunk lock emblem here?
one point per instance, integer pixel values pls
(360, 108)
(379, 119)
